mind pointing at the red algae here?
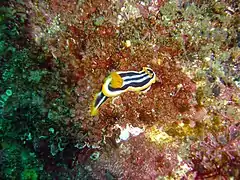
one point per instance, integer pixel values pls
(139, 160)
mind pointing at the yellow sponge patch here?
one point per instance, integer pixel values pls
(117, 81)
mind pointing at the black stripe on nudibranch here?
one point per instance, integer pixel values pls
(100, 99)
(139, 84)
(146, 89)
(150, 70)
(132, 84)
(125, 74)
(136, 78)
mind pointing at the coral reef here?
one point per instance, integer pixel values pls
(54, 56)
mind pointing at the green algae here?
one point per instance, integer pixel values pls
(9, 92)
(99, 21)
(29, 174)
(95, 156)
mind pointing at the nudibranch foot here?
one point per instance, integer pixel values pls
(145, 90)
(99, 99)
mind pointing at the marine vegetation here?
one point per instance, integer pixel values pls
(128, 89)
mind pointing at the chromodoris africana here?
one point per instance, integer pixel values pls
(122, 81)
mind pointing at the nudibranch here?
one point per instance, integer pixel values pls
(122, 81)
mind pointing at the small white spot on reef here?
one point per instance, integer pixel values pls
(128, 131)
